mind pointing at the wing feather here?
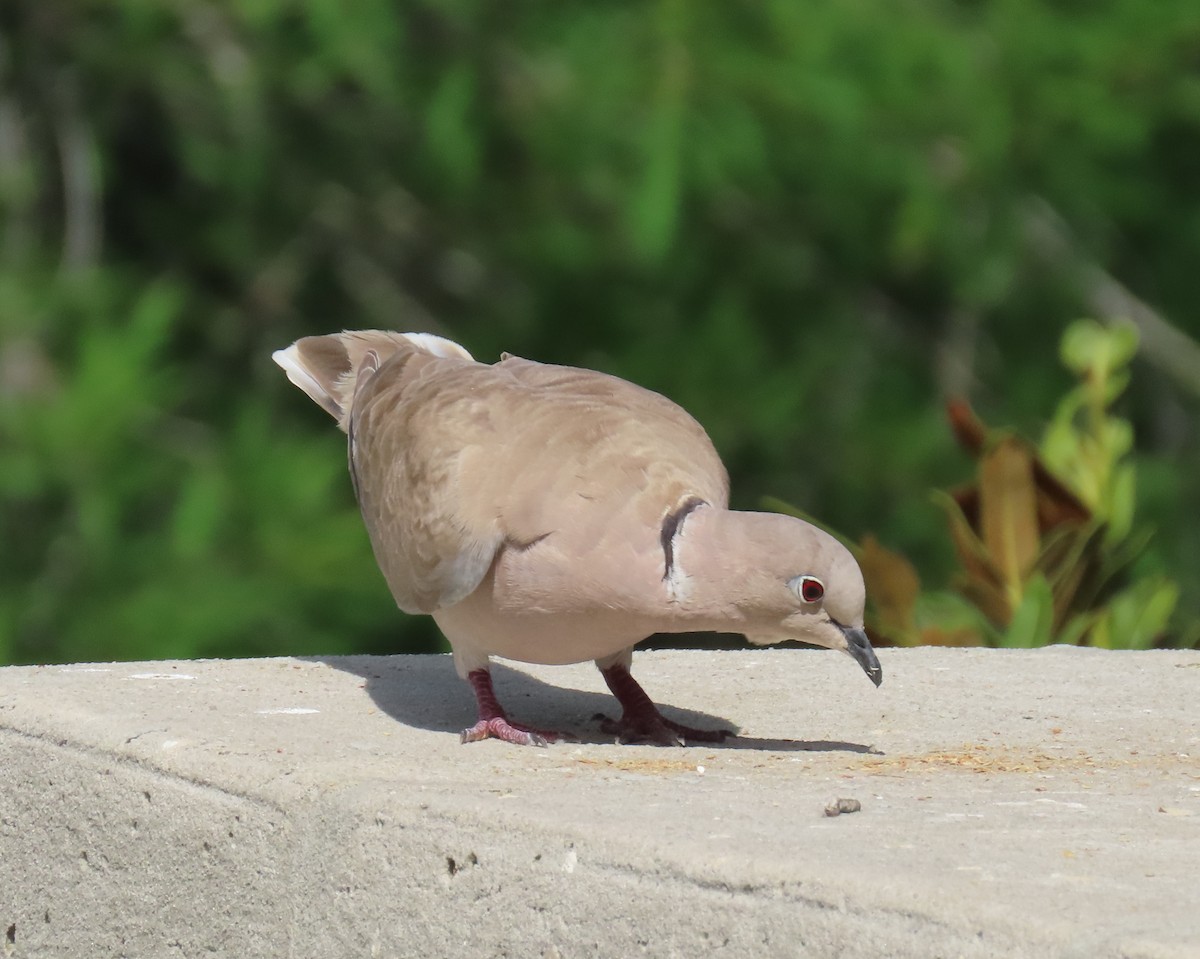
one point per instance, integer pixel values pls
(457, 460)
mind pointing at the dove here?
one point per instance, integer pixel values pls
(548, 514)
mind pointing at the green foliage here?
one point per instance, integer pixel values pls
(134, 531)
(1089, 448)
(1032, 622)
(804, 222)
(1138, 616)
(1047, 546)
(1085, 444)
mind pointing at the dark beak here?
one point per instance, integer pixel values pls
(858, 646)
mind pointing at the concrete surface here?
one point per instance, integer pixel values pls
(1022, 803)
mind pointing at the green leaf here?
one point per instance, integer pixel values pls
(1115, 560)
(1081, 345)
(1114, 385)
(1089, 346)
(1116, 438)
(1122, 344)
(1032, 623)
(1121, 502)
(1060, 443)
(1075, 632)
(1068, 560)
(1139, 615)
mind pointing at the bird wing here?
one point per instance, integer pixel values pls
(455, 461)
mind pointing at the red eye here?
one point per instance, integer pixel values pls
(811, 589)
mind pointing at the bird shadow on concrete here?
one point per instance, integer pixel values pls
(425, 692)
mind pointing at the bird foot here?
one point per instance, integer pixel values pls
(500, 728)
(641, 722)
(494, 724)
(658, 729)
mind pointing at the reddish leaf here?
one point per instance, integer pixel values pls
(969, 429)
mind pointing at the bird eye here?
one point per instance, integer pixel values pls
(809, 588)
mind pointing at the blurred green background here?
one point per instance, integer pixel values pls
(808, 223)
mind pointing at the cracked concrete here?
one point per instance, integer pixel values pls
(1015, 803)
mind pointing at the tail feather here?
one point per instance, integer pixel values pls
(326, 368)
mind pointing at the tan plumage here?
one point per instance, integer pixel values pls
(551, 514)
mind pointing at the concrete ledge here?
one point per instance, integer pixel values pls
(1024, 803)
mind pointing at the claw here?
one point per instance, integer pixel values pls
(659, 730)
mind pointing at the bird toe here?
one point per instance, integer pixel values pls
(658, 730)
(502, 729)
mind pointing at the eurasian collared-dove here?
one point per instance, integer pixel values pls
(553, 515)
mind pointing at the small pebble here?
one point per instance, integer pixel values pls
(835, 807)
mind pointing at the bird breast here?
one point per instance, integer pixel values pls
(557, 602)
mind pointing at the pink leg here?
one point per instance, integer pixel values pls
(641, 720)
(493, 723)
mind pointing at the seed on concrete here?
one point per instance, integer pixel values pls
(835, 807)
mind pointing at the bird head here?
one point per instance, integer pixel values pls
(778, 578)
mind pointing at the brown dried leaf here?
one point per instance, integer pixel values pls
(1008, 510)
(994, 602)
(892, 587)
(1056, 504)
(937, 636)
(967, 498)
(971, 551)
